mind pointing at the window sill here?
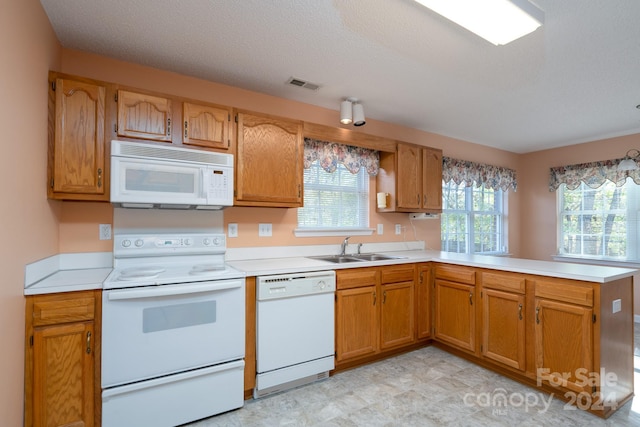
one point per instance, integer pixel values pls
(321, 232)
(597, 261)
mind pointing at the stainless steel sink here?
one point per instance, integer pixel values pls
(377, 257)
(338, 259)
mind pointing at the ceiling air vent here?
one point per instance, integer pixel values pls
(301, 83)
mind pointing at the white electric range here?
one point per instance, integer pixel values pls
(173, 327)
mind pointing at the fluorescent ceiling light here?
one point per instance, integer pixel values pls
(498, 21)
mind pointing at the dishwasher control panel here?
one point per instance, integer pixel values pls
(292, 285)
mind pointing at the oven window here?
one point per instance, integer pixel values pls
(156, 319)
(159, 181)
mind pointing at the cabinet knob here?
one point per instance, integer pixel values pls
(470, 298)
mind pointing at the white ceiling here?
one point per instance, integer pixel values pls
(575, 79)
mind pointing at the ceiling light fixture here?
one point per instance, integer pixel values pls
(351, 111)
(498, 21)
(629, 162)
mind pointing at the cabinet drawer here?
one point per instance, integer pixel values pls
(54, 309)
(504, 281)
(397, 274)
(357, 277)
(562, 291)
(456, 274)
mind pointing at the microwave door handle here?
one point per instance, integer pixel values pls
(167, 290)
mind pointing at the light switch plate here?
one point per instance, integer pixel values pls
(398, 229)
(232, 229)
(380, 229)
(264, 230)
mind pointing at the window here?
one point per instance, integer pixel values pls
(599, 223)
(473, 219)
(334, 200)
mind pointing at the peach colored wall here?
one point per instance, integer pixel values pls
(29, 221)
(539, 218)
(283, 220)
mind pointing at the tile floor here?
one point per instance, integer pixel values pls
(427, 387)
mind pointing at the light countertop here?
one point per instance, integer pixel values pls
(584, 272)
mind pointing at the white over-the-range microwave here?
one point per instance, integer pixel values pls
(155, 176)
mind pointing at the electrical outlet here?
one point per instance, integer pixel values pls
(264, 230)
(617, 306)
(380, 229)
(105, 231)
(232, 230)
(398, 229)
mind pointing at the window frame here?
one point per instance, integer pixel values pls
(501, 211)
(632, 233)
(362, 230)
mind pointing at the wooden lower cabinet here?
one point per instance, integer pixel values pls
(503, 328)
(357, 320)
(374, 311)
(62, 374)
(455, 314)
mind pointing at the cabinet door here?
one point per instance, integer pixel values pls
(409, 172)
(78, 152)
(63, 375)
(503, 327)
(356, 323)
(269, 161)
(564, 337)
(432, 179)
(423, 303)
(455, 314)
(397, 315)
(144, 116)
(206, 126)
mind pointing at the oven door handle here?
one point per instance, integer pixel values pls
(169, 290)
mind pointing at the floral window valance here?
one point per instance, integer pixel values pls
(329, 154)
(494, 177)
(593, 174)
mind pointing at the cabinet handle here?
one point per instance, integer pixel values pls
(374, 297)
(421, 277)
(88, 342)
(418, 199)
(519, 311)
(424, 199)
(186, 134)
(538, 315)
(99, 177)
(384, 297)
(168, 127)
(470, 298)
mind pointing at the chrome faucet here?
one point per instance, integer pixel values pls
(343, 247)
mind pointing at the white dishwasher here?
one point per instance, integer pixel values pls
(295, 330)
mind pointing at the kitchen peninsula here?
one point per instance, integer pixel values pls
(564, 328)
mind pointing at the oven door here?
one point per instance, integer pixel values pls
(159, 330)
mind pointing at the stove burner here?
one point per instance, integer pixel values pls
(136, 273)
(206, 268)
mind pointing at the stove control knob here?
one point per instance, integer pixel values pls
(188, 241)
(321, 284)
(139, 243)
(126, 243)
(216, 241)
(206, 241)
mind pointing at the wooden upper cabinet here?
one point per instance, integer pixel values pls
(409, 176)
(431, 179)
(269, 161)
(144, 116)
(77, 140)
(206, 126)
(412, 176)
